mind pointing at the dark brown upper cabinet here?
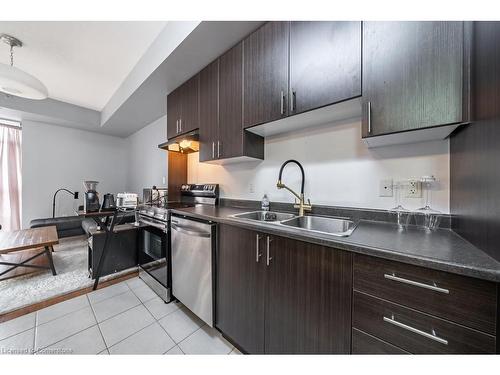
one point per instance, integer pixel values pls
(222, 136)
(183, 108)
(230, 142)
(281, 296)
(325, 63)
(173, 113)
(265, 88)
(413, 76)
(209, 116)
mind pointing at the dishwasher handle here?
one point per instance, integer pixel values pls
(191, 231)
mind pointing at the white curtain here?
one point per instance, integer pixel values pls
(10, 177)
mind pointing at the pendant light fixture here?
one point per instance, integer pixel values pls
(16, 82)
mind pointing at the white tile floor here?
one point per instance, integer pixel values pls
(125, 318)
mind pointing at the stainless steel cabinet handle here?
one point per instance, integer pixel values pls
(293, 100)
(415, 330)
(258, 254)
(218, 149)
(180, 125)
(177, 126)
(213, 150)
(190, 232)
(416, 283)
(369, 117)
(268, 258)
(282, 102)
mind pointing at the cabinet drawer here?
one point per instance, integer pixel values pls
(363, 343)
(414, 331)
(467, 301)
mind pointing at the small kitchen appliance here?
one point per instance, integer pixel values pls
(155, 196)
(126, 200)
(108, 202)
(91, 199)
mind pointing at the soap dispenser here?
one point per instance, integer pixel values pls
(264, 203)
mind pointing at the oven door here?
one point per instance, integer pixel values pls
(154, 254)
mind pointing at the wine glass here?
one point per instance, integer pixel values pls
(431, 217)
(402, 214)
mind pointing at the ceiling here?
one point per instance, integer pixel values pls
(81, 63)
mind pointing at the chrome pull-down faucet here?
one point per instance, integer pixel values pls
(302, 206)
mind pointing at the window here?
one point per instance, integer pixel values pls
(10, 175)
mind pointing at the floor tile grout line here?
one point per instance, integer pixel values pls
(98, 326)
(191, 334)
(97, 323)
(51, 320)
(168, 334)
(116, 343)
(67, 337)
(158, 319)
(88, 300)
(105, 299)
(18, 332)
(130, 308)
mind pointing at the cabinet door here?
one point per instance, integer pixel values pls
(189, 97)
(412, 75)
(231, 99)
(308, 301)
(325, 63)
(240, 288)
(266, 74)
(209, 81)
(173, 113)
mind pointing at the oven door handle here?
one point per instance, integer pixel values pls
(163, 227)
(189, 232)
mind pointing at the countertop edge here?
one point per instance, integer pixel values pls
(455, 268)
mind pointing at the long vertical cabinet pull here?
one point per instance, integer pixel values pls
(177, 126)
(293, 100)
(180, 125)
(258, 254)
(282, 102)
(218, 149)
(268, 257)
(213, 150)
(369, 117)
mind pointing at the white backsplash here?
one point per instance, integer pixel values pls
(340, 170)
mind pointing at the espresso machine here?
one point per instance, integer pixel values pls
(91, 199)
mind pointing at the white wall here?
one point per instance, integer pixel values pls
(147, 164)
(56, 157)
(340, 170)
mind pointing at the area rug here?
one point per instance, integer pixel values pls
(70, 260)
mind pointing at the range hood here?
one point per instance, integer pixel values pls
(185, 144)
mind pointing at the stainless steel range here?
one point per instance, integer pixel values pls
(154, 256)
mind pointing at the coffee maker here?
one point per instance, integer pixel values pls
(91, 199)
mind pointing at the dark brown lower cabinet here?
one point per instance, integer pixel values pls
(363, 343)
(308, 298)
(240, 289)
(281, 296)
(414, 331)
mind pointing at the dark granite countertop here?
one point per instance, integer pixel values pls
(441, 249)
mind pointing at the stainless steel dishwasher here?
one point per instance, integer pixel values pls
(193, 249)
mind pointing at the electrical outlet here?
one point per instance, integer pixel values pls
(414, 189)
(385, 188)
(251, 188)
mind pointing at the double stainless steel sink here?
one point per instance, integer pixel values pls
(339, 227)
